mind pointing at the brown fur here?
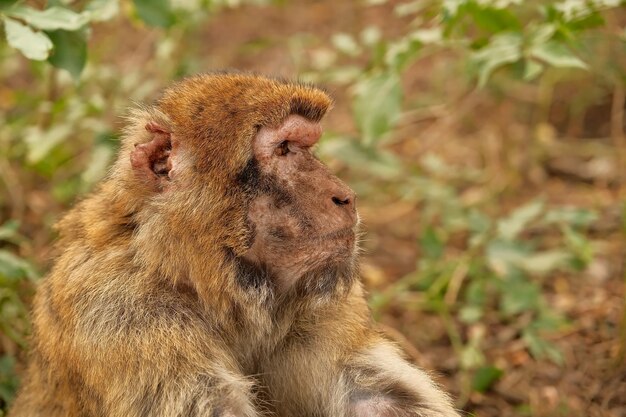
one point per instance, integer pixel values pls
(151, 310)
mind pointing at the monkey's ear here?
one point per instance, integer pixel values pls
(152, 160)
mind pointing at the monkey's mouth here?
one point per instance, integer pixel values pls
(345, 233)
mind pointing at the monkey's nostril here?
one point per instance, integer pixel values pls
(340, 202)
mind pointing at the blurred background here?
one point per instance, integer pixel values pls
(485, 139)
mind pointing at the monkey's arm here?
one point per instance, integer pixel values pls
(338, 366)
(380, 383)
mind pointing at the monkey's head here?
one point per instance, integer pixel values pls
(226, 164)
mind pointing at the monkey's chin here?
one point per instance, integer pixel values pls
(332, 277)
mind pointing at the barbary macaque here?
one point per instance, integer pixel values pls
(213, 273)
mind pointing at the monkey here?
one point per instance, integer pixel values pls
(214, 273)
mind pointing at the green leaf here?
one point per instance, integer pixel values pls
(400, 53)
(4, 4)
(34, 45)
(102, 10)
(532, 69)
(519, 295)
(431, 243)
(504, 256)
(101, 156)
(13, 268)
(493, 19)
(375, 162)
(573, 216)
(370, 36)
(154, 12)
(9, 231)
(471, 314)
(41, 142)
(511, 226)
(504, 48)
(545, 262)
(579, 246)
(346, 44)
(377, 104)
(8, 378)
(541, 348)
(53, 18)
(70, 51)
(485, 377)
(541, 34)
(557, 54)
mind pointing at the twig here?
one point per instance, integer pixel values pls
(14, 190)
(454, 285)
(617, 133)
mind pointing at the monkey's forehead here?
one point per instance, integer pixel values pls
(242, 98)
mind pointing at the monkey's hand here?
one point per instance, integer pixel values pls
(382, 384)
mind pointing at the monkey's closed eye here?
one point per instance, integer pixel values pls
(282, 149)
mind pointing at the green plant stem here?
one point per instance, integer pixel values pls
(457, 345)
(621, 355)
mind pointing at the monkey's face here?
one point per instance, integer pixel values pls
(302, 218)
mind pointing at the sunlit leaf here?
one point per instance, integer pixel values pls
(53, 18)
(471, 313)
(70, 51)
(41, 142)
(573, 216)
(403, 51)
(408, 8)
(427, 36)
(504, 256)
(532, 69)
(102, 10)
(545, 262)
(557, 54)
(370, 35)
(101, 157)
(375, 162)
(512, 225)
(377, 105)
(504, 48)
(451, 7)
(541, 34)
(346, 44)
(34, 45)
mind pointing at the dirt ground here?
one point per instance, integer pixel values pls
(592, 380)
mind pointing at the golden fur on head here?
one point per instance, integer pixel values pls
(219, 114)
(213, 118)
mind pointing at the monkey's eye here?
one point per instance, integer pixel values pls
(282, 149)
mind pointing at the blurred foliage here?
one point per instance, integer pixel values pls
(504, 257)
(475, 256)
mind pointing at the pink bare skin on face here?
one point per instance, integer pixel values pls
(303, 216)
